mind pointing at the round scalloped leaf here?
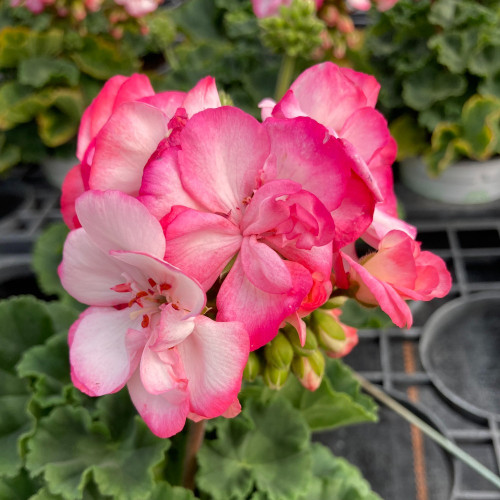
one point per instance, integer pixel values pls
(13, 45)
(19, 487)
(266, 447)
(41, 71)
(69, 449)
(164, 491)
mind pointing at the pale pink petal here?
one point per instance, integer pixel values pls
(167, 102)
(162, 371)
(164, 414)
(72, 188)
(201, 244)
(133, 88)
(266, 107)
(100, 357)
(223, 151)
(359, 4)
(124, 146)
(202, 96)
(299, 325)
(354, 215)
(162, 187)
(377, 292)
(184, 291)
(214, 357)
(288, 107)
(383, 5)
(367, 83)
(327, 95)
(261, 313)
(115, 221)
(264, 267)
(88, 274)
(98, 113)
(366, 129)
(172, 328)
(382, 224)
(306, 153)
(267, 8)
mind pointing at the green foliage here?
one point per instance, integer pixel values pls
(476, 135)
(431, 57)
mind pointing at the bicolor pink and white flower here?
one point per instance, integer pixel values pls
(122, 129)
(397, 272)
(262, 193)
(145, 327)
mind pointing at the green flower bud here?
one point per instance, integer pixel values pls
(330, 333)
(309, 346)
(275, 378)
(310, 369)
(335, 302)
(279, 352)
(252, 368)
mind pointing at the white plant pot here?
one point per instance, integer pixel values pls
(466, 182)
(55, 169)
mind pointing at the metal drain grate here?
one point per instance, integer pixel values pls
(400, 463)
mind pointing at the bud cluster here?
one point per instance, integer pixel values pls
(324, 334)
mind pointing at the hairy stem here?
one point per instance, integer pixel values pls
(285, 76)
(196, 433)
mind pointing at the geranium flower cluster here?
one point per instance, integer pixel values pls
(176, 197)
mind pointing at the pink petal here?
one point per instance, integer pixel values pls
(115, 221)
(261, 313)
(327, 95)
(299, 325)
(165, 414)
(162, 371)
(201, 244)
(202, 96)
(366, 129)
(214, 357)
(267, 8)
(172, 329)
(72, 188)
(133, 88)
(288, 107)
(264, 267)
(367, 83)
(184, 292)
(101, 358)
(382, 224)
(266, 107)
(87, 273)
(167, 102)
(233, 411)
(124, 146)
(162, 187)
(306, 153)
(223, 151)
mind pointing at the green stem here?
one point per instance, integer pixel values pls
(285, 76)
(428, 430)
(172, 58)
(196, 433)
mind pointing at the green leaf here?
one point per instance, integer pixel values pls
(102, 59)
(56, 128)
(13, 45)
(40, 71)
(69, 449)
(266, 447)
(337, 401)
(15, 422)
(196, 18)
(411, 138)
(19, 487)
(335, 478)
(164, 491)
(358, 316)
(10, 155)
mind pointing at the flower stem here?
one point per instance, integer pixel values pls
(428, 430)
(285, 76)
(196, 433)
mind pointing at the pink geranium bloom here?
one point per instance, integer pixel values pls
(268, 8)
(397, 272)
(262, 193)
(139, 8)
(121, 130)
(144, 327)
(343, 100)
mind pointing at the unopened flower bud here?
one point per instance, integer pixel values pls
(334, 336)
(252, 368)
(279, 352)
(275, 378)
(309, 346)
(310, 369)
(335, 302)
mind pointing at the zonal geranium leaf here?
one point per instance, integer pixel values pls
(69, 449)
(335, 478)
(337, 401)
(164, 491)
(267, 447)
(19, 487)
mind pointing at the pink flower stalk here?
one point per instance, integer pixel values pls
(343, 100)
(121, 130)
(144, 327)
(397, 272)
(268, 8)
(262, 193)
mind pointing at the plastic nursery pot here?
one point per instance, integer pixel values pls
(459, 348)
(387, 457)
(466, 182)
(14, 197)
